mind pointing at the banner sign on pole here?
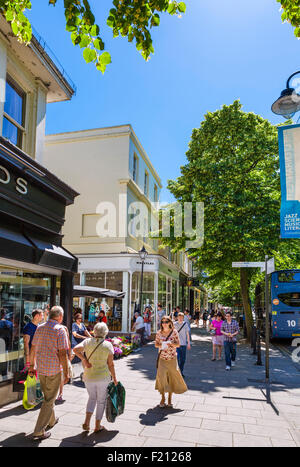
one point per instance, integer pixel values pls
(289, 155)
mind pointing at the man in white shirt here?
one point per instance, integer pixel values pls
(184, 338)
(139, 327)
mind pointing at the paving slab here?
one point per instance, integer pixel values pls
(240, 441)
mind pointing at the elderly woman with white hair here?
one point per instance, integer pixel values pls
(97, 357)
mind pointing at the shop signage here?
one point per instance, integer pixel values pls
(20, 183)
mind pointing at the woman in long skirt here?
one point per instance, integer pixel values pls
(168, 378)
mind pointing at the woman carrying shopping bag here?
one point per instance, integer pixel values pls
(97, 357)
(168, 379)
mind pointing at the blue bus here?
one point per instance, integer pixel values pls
(284, 303)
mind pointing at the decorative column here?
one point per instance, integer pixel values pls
(155, 298)
(125, 308)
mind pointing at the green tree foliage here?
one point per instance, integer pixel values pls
(129, 18)
(233, 167)
(291, 13)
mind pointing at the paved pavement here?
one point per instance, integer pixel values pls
(220, 408)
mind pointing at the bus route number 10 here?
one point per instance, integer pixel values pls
(291, 324)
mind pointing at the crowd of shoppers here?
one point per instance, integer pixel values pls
(49, 351)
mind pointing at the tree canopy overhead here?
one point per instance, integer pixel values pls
(129, 18)
(291, 13)
(233, 168)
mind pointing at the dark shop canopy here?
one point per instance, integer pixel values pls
(24, 246)
(96, 292)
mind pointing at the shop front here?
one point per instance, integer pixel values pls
(35, 270)
(123, 272)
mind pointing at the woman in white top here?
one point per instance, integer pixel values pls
(97, 357)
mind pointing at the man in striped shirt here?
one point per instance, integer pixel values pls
(49, 355)
(230, 330)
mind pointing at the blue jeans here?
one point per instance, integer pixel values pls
(230, 352)
(181, 356)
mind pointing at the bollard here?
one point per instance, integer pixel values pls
(258, 362)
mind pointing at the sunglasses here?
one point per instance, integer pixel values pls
(165, 322)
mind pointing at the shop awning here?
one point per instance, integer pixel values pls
(23, 246)
(54, 256)
(96, 292)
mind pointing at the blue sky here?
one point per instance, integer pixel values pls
(217, 52)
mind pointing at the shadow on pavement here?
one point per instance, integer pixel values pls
(154, 416)
(89, 439)
(19, 440)
(16, 411)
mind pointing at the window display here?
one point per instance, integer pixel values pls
(21, 292)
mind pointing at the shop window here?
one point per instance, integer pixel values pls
(162, 289)
(111, 307)
(95, 279)
(21, 292)
(148, 293)
(14, 113)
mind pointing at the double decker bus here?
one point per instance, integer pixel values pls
(284, 303)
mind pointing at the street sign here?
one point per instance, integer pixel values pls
(270, 266)
(248, 264)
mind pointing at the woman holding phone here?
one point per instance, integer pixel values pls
(168, 379)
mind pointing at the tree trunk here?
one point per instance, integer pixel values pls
(246, 301)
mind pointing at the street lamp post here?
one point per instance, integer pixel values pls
(143, 255)
(289, 101)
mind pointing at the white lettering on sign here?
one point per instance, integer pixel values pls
(21, 184)
(4, 175)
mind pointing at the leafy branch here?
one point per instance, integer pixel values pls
(133, 19)
(291, 13)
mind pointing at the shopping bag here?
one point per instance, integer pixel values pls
(115, 403)
(31, 389)
(19, 380)
(26, 403)
(39, 396)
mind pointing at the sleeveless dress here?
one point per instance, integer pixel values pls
(168, 377)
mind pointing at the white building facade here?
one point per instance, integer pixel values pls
(112, 172)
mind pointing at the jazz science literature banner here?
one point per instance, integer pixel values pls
(289, 154)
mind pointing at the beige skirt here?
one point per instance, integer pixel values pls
(168, 377)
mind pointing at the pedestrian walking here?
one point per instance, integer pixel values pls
(29, 332)
(48, 354)
(230, 330)
(159, 315)
(197, 316)
(217, 336)
(147, 322)
(139, 327)
(182, 328)
(70, 357)
(97, 356)
(168, 378)
(187, 319)
(204, 318)
(79, 333)
(174, 314)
